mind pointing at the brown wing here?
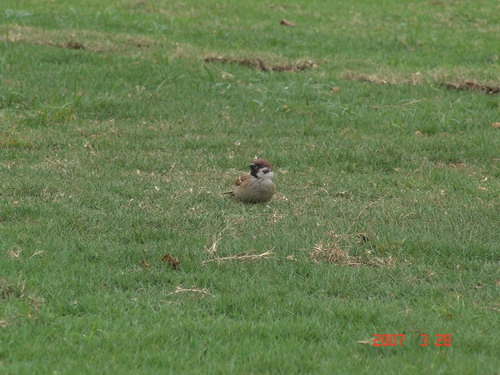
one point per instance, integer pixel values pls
(238, 182)
(241, 179)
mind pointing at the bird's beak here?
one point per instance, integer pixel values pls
(253, 166)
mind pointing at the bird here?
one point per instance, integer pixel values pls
(255, 186)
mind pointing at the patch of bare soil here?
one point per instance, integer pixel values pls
(473, 86)
(73, 45)
(419, 79)
(262, 65)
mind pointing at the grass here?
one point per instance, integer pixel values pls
(117, 140)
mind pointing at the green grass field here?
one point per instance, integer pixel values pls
(118, 137)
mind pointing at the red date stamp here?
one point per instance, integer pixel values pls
(398, 340)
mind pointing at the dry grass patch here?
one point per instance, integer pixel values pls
(386, 78)
(259, 64)
(450, 80)
(369, 342)
(76, 39)
(474, 86)
(334, 254)
(8, 290)
(180, 289)
(247, 255)
(11, 140)
(212, 250)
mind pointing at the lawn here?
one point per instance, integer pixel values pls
(123, 122)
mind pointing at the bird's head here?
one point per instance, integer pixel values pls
(261, 168)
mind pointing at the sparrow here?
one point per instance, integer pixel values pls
(255, 186)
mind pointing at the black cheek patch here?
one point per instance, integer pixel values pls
(266, 171)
